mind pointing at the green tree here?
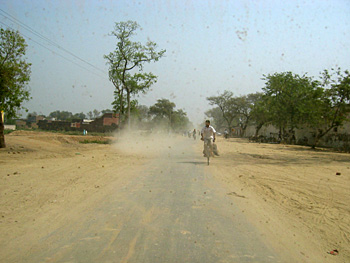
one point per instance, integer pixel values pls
(90, 115)
(244, 107)
(106, 111)
(290, 101)
(141, 113)
(127, 61)
(226, 103)
(93, 114)
(260, 115)
(334, 107)
(163, 112)
(96, 113)
(179, 121)
(10, 121)
(162, 109)
(120, 102)
(61, 115)
(14, 76)
(31, 114)
(80, 116)
(215, 114)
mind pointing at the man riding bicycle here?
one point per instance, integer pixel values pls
(208, 136)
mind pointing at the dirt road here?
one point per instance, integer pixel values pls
(153, 199)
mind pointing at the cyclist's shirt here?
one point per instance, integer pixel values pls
(208, 132)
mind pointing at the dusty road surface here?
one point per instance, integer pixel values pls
(154, 199)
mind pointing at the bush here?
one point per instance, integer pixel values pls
(8, 131)
(97, 141)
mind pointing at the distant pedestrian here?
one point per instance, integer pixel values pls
(194, 133)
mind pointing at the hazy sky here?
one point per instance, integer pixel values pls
(211, 46)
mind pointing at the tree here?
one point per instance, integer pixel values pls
(215, 114)
(106, 111)
(14, 76)
(334, 107)
(230, 109)
(96, 113)
(290, 101)
(61, 115)
(80, 116)
(31, 114)
(120, 102)
(180, 121)
(10, 121)
(226, 104)
(260, 114)
(141, 113)
(126, 64)
(90, 115)
(162, 109)
(244, 107)
(164, 113)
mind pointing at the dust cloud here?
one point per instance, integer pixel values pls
(153, 143)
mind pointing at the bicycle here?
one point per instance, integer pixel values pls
(207, 149)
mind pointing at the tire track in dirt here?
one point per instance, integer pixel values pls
(300, 185)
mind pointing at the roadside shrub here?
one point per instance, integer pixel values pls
(97, 141)
(8, 131)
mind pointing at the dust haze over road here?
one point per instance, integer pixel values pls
(177, 212)
(152, 198)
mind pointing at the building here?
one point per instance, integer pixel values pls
(106, 123)
(32, 121)
(21, 123)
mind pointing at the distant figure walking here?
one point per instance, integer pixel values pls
(194, 134)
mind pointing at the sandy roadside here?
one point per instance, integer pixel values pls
(45, 175)
(297, 197)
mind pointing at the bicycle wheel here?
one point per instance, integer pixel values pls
(207, 153)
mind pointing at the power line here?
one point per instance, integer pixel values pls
(54, 52)
(18, 22)
(14, 20)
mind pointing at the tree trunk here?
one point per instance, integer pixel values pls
(121, 102)
(317, 139)
(230, 132)
(243, 131)
(321, 134)
(257, 129)
(280, 137)
(2, 136)
(313, 146)
(129, 108)
(245, 125)
(291, 136)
